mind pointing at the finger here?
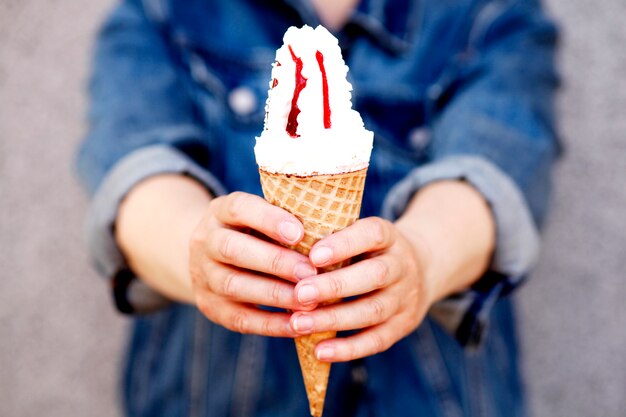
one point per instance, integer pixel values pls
(246, 210)
(363, 277)
(245, 319)
(366, 343)
(246, 287)
(365, 235)
(239, 249)
(358, 314)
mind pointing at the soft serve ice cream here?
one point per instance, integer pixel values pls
(310, 126)
(313, 156)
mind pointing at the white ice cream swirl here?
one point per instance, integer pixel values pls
(326, 136)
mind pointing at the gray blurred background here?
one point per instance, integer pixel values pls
(60, 340)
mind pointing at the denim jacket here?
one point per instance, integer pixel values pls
(459, 89)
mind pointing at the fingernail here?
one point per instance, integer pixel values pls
(325, 353)
(303, 270)
(307, 294)
(290, 231)
(321, 255)
(302, 323)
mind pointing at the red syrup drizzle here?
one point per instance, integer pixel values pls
(320, 61)
(275, 81)
(292, 122)
(274, 84)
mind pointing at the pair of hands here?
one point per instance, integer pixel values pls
(233, 272)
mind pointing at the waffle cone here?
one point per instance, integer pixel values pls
(324, 204)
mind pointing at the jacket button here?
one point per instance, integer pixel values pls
(419, 138)
(359, 374)
(242, 101)
(434, 92)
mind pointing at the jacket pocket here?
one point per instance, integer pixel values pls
(230, 88)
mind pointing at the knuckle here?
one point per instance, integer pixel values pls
(276, 262)
(276, 294)
(379, 230)
(207, 278)
(227, 247)
(380, 272)
(216, 206)
(240, 322)
(268, 328)
(229, 286)
(336, 286)
(332, 319)
(408, 326)
(376, 309)
(346, 246)
(197, 238)
(235, 204)
(203, 306)
(377, 343)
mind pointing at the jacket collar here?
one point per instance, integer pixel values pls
(370, 17)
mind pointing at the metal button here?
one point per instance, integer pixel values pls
(434, 91)
(419, 138)
(242, 101)
(359, 374)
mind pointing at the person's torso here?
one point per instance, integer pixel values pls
(402, 56)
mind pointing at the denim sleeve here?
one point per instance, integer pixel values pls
(492, 125)
(517, 242)
(141, 123)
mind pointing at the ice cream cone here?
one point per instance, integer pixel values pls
(324, 204)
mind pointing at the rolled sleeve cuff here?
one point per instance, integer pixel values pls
(465, 315)
(130, 170)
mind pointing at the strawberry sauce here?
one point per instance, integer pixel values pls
(320, 61)
(292, 122)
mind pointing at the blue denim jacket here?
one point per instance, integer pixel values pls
(459, 89)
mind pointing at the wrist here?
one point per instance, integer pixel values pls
(153, 229)
(452, 231)
(425, 259)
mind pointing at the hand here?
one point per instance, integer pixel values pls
(233, 272)
(389, 281)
